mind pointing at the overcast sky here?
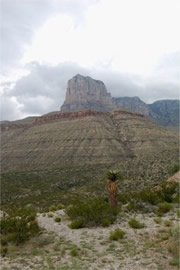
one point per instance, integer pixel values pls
(131, 45)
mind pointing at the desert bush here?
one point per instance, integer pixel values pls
(174, 247)
(92, 211)
(163, 208)
(124, 197)
(74, 252)
(150, 196)
(178, 213)
(117, 234)
(53, 208)
(60, 206)
(158, 220)
(77, 224)
(169, 191)
(106, 222)
(174, 169)
(135, 224)
(57, 219)
(168, 223)
(19, 225)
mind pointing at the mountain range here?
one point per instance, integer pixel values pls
(87, 93)
(90, 129)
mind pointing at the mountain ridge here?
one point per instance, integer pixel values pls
(83, 92)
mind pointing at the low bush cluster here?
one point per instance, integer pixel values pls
(174, 169)
(91, 212)
(135, 224)
(117, 234)
(174, 247)
(164, 208)
(17, 227)
(166, 192)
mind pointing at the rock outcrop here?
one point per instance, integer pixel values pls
(86, 93)
(134, 104)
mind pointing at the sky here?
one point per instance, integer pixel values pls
(133, 46)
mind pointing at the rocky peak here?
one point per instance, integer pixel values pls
(86, 93)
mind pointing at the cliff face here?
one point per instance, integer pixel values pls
(134, 104)
(86, 93)
(166, 112)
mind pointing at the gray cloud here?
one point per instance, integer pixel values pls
(43, 89)
(19, 19)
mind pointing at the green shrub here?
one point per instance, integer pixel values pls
(168, 223)
(57, 219)
(158, 220)
(178, 213)
(77, 224)
(19, 225)
(174, 169)
(124, 197)
(105, 222)
(4, 251)
(150, 196)
(135, 224)
(53, 208)
(92, 212)
(74, 252)
(174, 247)
(117, 234)
(169, 191)
(164, 208)
(60, 206)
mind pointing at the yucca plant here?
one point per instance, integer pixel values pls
(112, 177)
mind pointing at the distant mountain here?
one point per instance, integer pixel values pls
(166, 112)
(87, 93)
(134, 104)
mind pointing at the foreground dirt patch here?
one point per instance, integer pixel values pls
(61, 248)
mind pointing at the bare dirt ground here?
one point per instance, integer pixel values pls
(60, 248)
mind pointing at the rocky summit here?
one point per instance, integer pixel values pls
(86, 93)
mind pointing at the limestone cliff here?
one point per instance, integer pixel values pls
(86, 93)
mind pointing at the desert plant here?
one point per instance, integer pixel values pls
(135, 224)
(19, 225)
(174, 169)
(74, 252)
(57, 219)
(91, 212)
(112, 177)
(106, 222)
(158, 220)
(117, 234)
(164, 208)
(174, 247)
(77, 224)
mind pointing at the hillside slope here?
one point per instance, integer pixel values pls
(89, 137)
